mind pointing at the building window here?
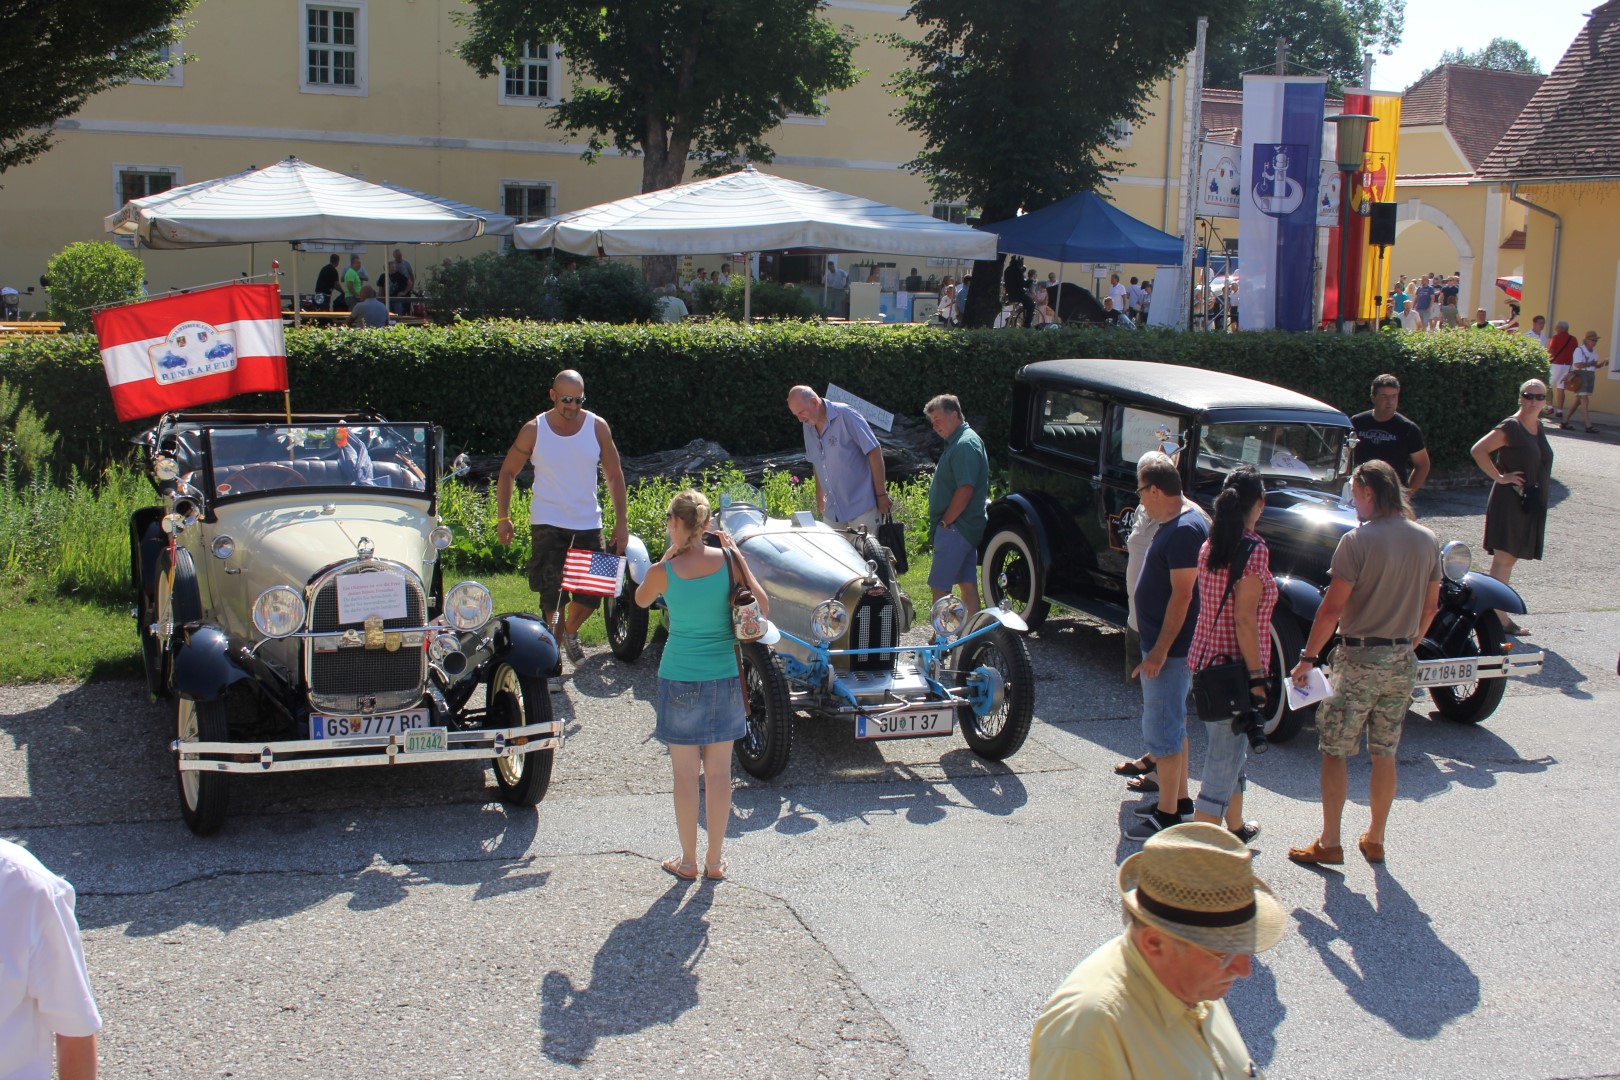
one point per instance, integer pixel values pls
(1120, 135)
(954, 212)
(525, 200)
(168, 54)
(139, 181)
(333, 43)
(529, 79)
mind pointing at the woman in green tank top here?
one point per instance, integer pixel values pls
(700, 705)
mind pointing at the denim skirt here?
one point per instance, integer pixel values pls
(700, 713)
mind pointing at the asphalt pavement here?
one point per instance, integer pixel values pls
(895, 910)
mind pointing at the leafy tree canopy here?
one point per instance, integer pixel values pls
(1502, 54)
(1326, 36)
(56, 54)
(674, 80)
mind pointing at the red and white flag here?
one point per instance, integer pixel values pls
(595, 573)
(189, 350)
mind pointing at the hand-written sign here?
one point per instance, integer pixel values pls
(878, 418)
(362, 595)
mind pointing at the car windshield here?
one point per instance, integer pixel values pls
(264, 457)
(1299, 452)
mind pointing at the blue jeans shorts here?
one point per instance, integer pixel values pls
(1164, 707)
(700, 713)
(955, 560)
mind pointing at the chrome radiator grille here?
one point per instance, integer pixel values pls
(353, 679)
(872, 627)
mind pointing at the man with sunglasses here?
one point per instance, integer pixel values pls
(565, 445)
(1149, 1002)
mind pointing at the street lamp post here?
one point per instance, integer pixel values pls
(1352, 138)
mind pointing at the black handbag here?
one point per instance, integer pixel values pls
(1221, 688)
(892, 535)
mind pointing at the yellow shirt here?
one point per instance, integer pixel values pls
(1112, 1017)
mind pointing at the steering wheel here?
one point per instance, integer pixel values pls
(261, 477)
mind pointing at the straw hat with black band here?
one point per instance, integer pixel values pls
(1196, 882)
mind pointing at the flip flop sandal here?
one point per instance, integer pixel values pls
(1142, 785)
(684, 870)
(716, 873)
(1133, 768)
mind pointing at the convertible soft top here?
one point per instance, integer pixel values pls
(1185, 389)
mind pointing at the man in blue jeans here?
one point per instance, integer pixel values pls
(1166, 601)
(956, 498)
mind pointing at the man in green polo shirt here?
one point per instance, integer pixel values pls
(956, 499)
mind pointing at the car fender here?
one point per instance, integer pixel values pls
(524, 642)
(1484, 593)
(1019, 510)
(204, 666)
(985, 616)
(1300, 597)
(148, 548)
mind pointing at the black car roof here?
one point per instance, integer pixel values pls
(1186, 389)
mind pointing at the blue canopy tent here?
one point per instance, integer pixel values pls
(1085, 228)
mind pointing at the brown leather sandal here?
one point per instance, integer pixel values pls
(686, 871)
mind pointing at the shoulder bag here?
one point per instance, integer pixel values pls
(746, 621)
(1221, 687)
(892, 535)
(739, 588)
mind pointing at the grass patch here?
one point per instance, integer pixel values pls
(50, 637)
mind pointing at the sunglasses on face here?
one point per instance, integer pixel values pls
(572, 400)
(1534, 397)
(1224, 959)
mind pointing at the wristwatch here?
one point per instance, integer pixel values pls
(1305, 658)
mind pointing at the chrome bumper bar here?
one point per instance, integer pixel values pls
(1511, 665)
(290, 755)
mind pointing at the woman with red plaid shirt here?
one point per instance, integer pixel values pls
(1235, 628)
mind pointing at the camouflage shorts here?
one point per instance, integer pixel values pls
(1372, 689)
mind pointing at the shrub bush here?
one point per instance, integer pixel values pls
(660, 386)
(769, 301)
(84, 275)
(534, 285)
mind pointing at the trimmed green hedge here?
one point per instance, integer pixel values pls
(662, 386)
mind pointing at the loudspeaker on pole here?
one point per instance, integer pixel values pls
(1381, 225)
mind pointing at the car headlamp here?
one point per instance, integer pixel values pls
(278, 611)
(1456, 559)
(948, 616)
(224, 546)
(468, 605)
(441, 537)
(829, 620)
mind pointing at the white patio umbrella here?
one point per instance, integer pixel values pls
(751, 211)
(292, 201)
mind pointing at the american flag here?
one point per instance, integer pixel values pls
(593, 572)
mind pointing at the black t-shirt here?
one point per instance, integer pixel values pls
(1175, 547)
(1394, 440)
(1448, 295)
(327, 280)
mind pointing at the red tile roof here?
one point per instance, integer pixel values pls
(1514, 242)
(1476, 105)
(1222, 114)
(1571, 128)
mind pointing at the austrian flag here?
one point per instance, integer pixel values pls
(595, 573)
(190, 350)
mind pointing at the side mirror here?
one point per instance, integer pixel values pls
(460, 467)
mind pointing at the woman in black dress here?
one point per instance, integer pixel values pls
(1516, 516)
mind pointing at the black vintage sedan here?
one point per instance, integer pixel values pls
(1078, 429)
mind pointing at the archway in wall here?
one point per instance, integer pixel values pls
(1433, 243)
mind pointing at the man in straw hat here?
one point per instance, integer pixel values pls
(1148, 1003)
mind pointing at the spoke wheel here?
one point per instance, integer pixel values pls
(999, 733)
(204, 796)
(1009, 572)
(514, 701)
(768, 739)
(1472, 702)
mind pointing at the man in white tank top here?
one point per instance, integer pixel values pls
(565, 445)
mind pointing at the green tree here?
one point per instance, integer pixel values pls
(85, 275)
(1502, 54)
(1019, 104)
(674, 80)
(56, 54)
(1326, 36)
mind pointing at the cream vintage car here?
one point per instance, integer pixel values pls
(290, 600)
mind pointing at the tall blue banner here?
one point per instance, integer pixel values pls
(1282, 151)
